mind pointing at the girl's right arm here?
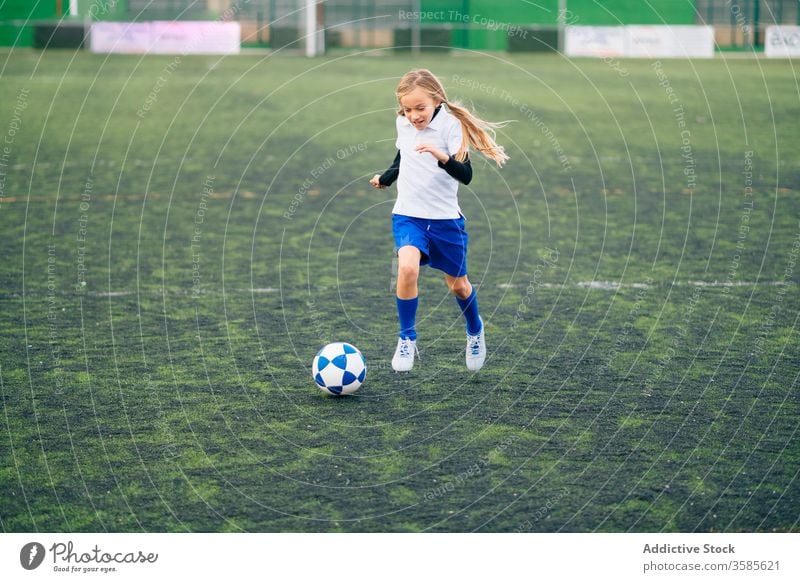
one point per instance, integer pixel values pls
(389, 176)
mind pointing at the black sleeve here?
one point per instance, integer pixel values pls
(461, 171)
(389, 176)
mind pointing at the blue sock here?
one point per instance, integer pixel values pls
(407, 312)
(469, 307)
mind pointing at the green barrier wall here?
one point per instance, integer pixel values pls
(487, 24)
(474, 24)
(17, 17)
(13, 17)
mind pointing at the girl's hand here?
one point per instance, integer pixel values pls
(436, 153)
(376, 181)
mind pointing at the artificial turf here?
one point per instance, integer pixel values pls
(182, 234)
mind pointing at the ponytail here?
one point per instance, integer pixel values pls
(478, 134)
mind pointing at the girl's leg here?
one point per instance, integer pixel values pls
(408, 258)
(467, 300)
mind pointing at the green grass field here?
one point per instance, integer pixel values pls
(636, 263)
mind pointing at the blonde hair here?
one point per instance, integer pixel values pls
(476, 132)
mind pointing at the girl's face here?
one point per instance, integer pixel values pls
(418, 107)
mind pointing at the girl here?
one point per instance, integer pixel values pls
(428, 227)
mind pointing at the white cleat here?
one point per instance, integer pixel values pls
(403, 359)
(476, 350)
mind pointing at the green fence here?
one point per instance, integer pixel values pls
(740, 23)
(19, 19)
(464, 24)
(502, 24)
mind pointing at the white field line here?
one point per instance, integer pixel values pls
(612, 285)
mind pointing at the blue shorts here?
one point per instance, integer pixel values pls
(442, 242)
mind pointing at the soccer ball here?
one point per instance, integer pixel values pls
(339, 368)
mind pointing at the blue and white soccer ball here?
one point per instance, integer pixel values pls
(339, 368)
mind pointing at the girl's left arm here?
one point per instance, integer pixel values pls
(461, 171)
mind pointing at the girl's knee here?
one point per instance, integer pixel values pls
(460, 287)
(408, 272)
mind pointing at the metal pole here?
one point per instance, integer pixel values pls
(562, 23)
(756, 15)
(311, 28)
(271, 17)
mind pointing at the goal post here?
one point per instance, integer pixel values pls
(314, 29)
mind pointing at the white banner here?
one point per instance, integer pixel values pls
(171, 38)
(648, 42)
(594, 41)
(166, 38)
(635, 41)
(120, 37)
(782, 41)
(670, 41)
(693, 41)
